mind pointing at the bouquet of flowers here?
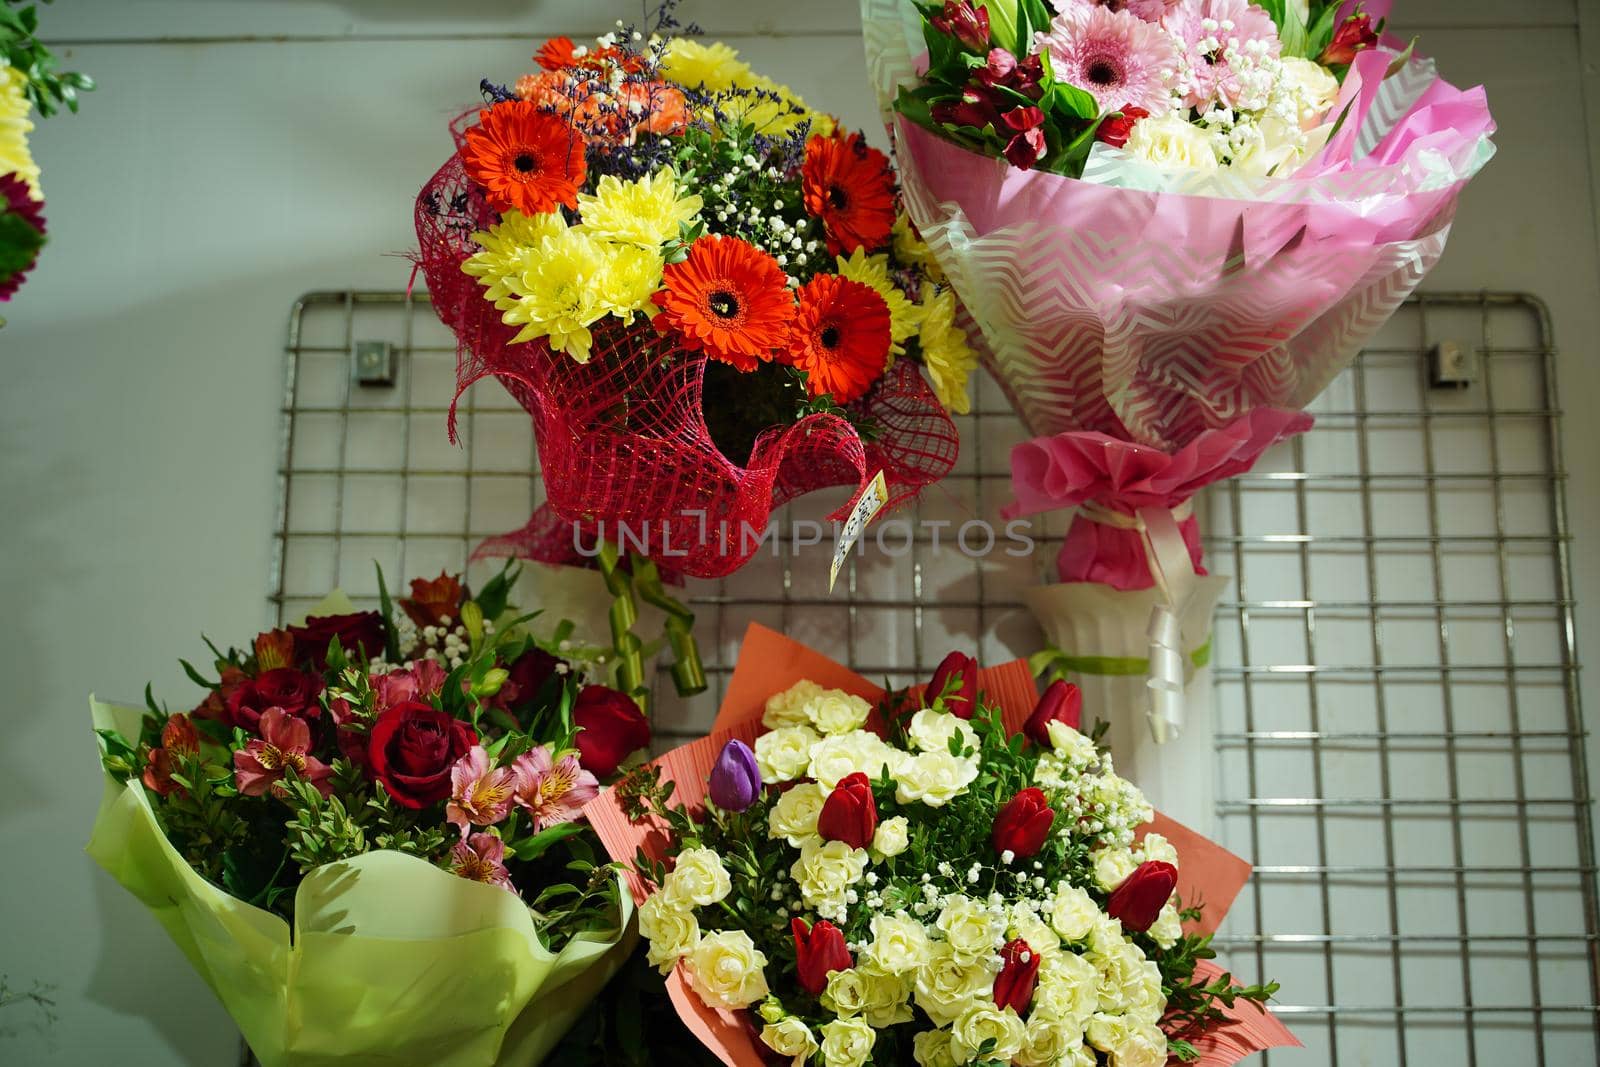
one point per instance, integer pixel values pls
(366, 838)
(948, 875)
(1173, 223)
(703, 292)
(28, 80)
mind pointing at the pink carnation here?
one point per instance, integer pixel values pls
(1213, 35)
(1115, 56)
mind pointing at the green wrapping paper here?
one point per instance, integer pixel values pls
(391, 961)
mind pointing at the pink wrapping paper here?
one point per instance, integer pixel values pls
(768, 663)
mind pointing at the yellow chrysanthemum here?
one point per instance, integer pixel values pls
(510, 249)
(910, 249)
(713, 66)
(631, 279)
(945, 353)
(646, 212)
(904, 316)
(15, 125)
(560, 296)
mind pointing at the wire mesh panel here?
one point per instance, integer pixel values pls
(1399, 737)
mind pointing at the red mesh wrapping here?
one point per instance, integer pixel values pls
(623, 440)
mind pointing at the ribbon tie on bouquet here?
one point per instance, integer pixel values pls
(1174, 574)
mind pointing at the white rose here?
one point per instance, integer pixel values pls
(935, 778)
(892, 837)
(1314, 88)
(1156, 847)
(1048, 1041)
(1143, 1047)
(1112, 867)
(1068, 989)
(794, 816)
(970, 928)
(833, 711)
(1035, 931)
(984, 1023)
(1171, 142)
(931, 731)
(825, 871)
(785, 753)
(931, 1048)
(788, 708)
(1129, 983)
(899, 944)
(1167, 928)
(1105, 938)
(1073, 913)
(725, 970)
(698, 878)
(1072, 746)
(790, 1037)
(948, 983)
(887, 998)
(1106, 1032)
(837, 757)
(846, 993)
(671, 930)
(847, 1042)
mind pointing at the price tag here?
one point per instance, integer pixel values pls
(873, 498)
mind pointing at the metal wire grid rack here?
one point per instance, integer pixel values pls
(1400, 742)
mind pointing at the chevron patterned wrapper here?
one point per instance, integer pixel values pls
(770, 662)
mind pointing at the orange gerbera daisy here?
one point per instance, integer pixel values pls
(841, 337)
(848, 185)
(728, 298)
(526, 159)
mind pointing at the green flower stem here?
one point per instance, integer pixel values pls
(623, 615)
(688, 674)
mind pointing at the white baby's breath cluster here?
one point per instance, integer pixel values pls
(927, 935)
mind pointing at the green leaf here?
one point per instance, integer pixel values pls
(391, 643)
(195, 676)
(536, 846)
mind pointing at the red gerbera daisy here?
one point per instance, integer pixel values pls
(840, 337)
(526, 159)
(728, 298)
(848, 185)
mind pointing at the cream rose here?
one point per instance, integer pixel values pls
(948, 983)
(833, 758)
(1171, 142)
(1106, 1032)
(931, 731)
(899, 944)
(931, 1048)
(790, 1037)
(671, 930)
(1068, 989)
(1156, 847)
(794, 816)
(788, 708)
(1167, 928)
(1144, 1047)
(1072, 913)
(825, 871)
(785, 753)
(970, 928)
(935, 778)
(833, 711)
(892, 837)
(1073, 747)
(888, 998)
(845, 994)
(983, 1023)
(726, 969)
(1048, 1042)
(1112, 867)
(697, 879)
(1035, 931)
(1314, 87)
(847, 1042)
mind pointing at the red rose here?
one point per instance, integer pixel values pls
(612, 729)
(1139, 900)
(1355, 34)
(959, 672)
(1114, 131)
(816, 952)
(410, 751)
(362, 628)
(849, 814)
(1023, 824)
(283, 687)
(527, 676)
(1019, 971)
(1062, 702)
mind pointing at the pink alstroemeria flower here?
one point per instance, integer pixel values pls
(481, 858)
(285, 741)
(479, 796)
(553, 791)
(419, 680)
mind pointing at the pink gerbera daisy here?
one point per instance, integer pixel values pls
(1149, 10)
(1115, 56)
(1222, 43)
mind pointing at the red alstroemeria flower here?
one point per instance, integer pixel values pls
(285, 743)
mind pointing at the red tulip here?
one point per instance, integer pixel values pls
(816, 952)
(1019, 971)
(957, 672)
(1024, 823)
(1355, 34)
(1062, 702)
(1139, 900)
(849, 814)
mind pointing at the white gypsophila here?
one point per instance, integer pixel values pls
(671, 930)
(999, 1031)
(784, 754)
(899, 944)
(1076, 750)
(946, 984)
(935, 778)
(835, 758)
(932, 730)
(788, 708)
(833, 711)
(794, 816)
(825, 872)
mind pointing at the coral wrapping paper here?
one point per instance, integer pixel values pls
(390, 960)
(623, 438)
(768, 663)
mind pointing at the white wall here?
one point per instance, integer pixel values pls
(240, 153)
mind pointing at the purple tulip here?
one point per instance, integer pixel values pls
(735, 778)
